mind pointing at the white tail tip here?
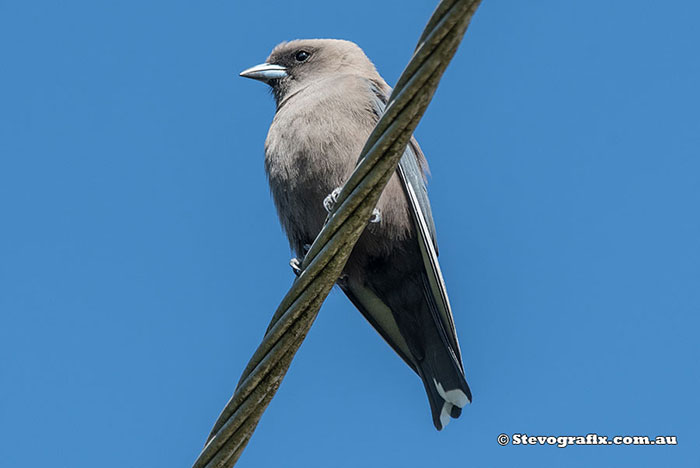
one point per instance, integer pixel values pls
(457, 397)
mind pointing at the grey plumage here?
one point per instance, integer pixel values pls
(329, 97)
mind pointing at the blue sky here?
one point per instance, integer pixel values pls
(141, 258)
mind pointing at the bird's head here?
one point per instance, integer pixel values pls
(293, 65)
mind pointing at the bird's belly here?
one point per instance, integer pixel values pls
(299, 182)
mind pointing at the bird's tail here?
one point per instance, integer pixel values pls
(444, 383)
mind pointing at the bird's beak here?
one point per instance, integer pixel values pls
(265, 72)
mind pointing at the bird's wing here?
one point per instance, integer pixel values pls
(411, 170)
(413, 164)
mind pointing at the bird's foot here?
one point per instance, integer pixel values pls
(329, 201)
(376, 216)
(295, 263)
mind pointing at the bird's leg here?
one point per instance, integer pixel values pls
(329, 201)
(295, 263)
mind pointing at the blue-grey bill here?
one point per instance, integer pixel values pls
(265, 72)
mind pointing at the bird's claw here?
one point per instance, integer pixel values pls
(329, 201)
(295, 263)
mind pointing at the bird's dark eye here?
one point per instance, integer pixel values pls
(301, 56)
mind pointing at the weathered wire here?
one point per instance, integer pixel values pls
(328, 254)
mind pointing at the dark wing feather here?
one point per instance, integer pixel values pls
(411, 170)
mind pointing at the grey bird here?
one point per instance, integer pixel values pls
(329, 97)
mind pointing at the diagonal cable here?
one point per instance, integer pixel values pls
(328, 254)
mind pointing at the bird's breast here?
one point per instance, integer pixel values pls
(310, 150)
(312, 147)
